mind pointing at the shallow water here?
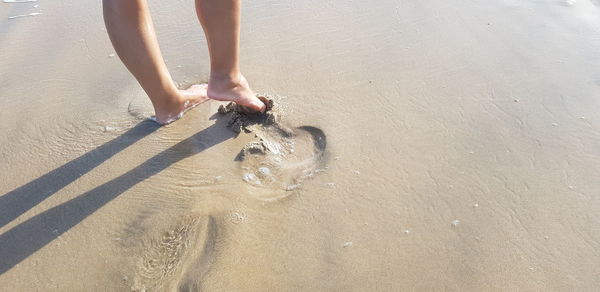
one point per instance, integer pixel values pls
(462, 152)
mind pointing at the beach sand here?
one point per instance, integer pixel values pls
(457, 148)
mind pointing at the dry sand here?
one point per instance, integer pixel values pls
(462, 152)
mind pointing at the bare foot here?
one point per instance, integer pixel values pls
(238, 91)
(186, 99)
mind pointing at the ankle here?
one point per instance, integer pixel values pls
(228, 79)
(167, 103)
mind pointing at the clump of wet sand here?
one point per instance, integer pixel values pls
(243, 118)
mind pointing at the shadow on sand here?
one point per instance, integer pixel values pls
(28, 237)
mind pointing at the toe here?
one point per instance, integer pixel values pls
(258, 105)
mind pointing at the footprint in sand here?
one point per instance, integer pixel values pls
(165, 262)
(280, 158)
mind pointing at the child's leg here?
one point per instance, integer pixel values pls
(220, 20)
(132, 34)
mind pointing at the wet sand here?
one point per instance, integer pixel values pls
(462, 152)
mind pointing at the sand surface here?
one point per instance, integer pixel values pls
(435, 145)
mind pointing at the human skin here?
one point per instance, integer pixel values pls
(132, 34)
